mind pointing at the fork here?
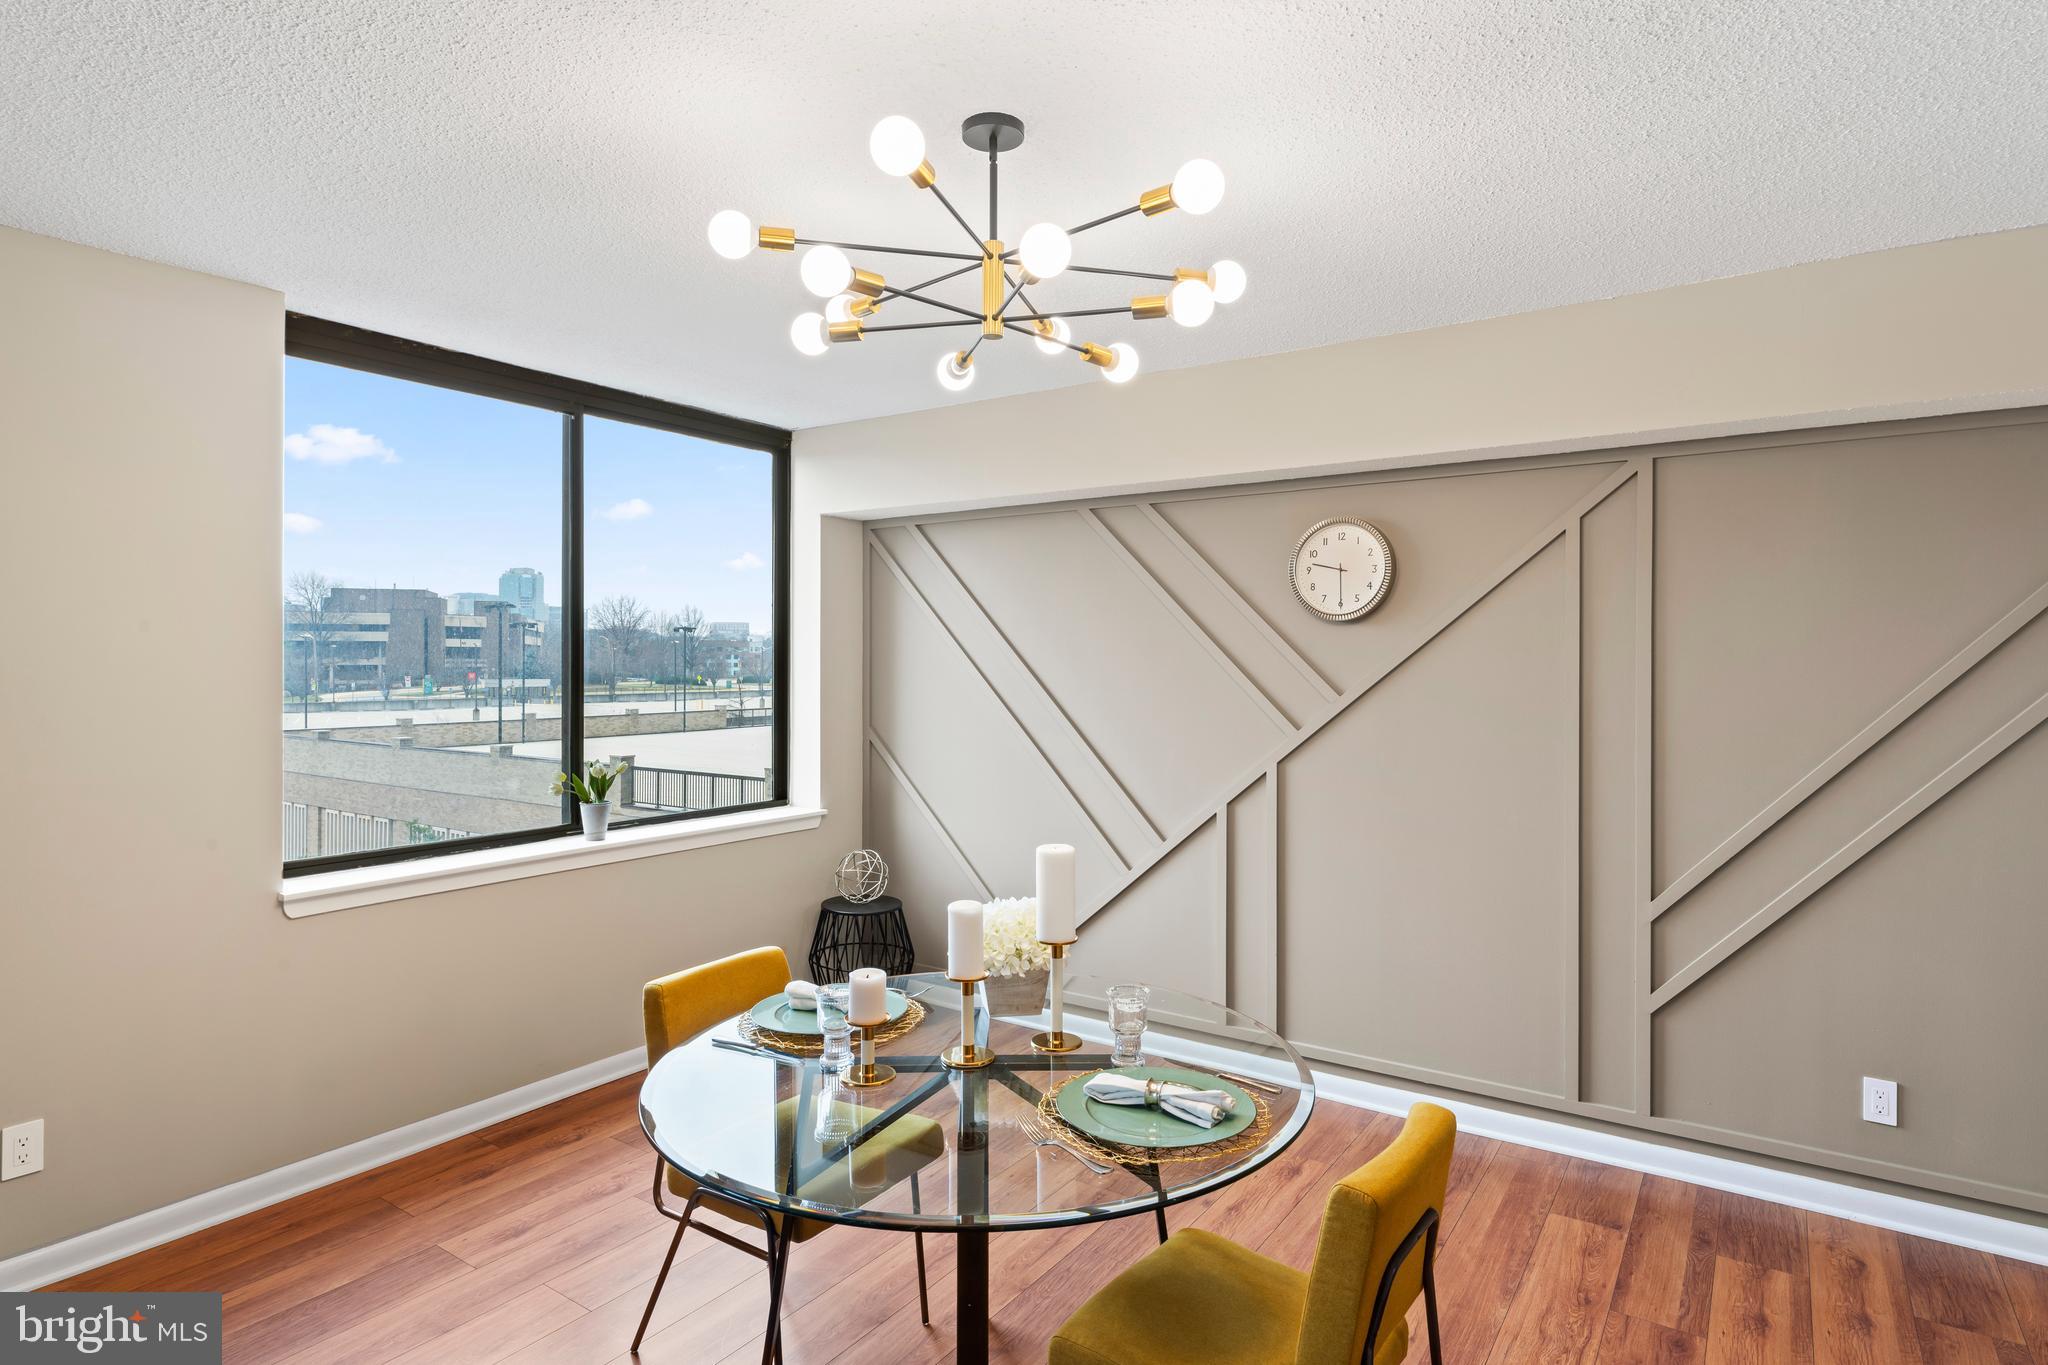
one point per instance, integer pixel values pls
(1033, 1129)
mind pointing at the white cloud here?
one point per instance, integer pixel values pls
(749, 560)
(632, 509)
(324, 444)
(299, 524)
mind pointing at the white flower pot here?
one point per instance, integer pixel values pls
(596, 816)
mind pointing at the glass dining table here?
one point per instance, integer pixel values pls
(775, 1130)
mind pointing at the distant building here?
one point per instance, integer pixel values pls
(525, 589)
(372, 638)
(727, 630)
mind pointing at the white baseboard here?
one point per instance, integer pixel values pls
(59, 1260)
(1920, 1218)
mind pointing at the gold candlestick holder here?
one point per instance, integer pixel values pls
(1058, 1039)
(866, 1072)
(966, 1055)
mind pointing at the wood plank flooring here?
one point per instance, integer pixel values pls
(535, 1242)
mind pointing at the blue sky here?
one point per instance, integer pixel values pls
(388, 483)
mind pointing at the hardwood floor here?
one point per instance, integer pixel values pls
(535, 1242)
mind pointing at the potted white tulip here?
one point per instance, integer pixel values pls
(592, 791)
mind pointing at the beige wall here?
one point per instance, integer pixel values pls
(172, 1027)
(1040, 672)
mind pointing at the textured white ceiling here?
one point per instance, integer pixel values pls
(530, 179)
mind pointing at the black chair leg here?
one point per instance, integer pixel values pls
(659, 1280)
(1436, 1348)
(924, 1305)
(1160, 1214)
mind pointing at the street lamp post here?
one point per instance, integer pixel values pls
(674, 675)
(499, 676)
(306, 696)
(689, 634)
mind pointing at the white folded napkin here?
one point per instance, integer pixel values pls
(802, 995)
(1204, 1107)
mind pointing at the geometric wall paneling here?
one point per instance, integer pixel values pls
(1675, 787)
(1945, 720)
(1806, 587)
(1258, 653)
(1449, 792)
(1609, 903)
(1447, 531)
(1922, 962)
(1118, 826)
(1167, 927)
(1164, 713)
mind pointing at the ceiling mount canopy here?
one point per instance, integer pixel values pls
(855, 295)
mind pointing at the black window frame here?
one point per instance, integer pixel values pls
(356, 348)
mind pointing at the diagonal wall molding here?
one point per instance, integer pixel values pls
(1202, 638)
(1866, 739)
(931, 614)
(931, 816)
(1535, 545)
(1847, 856)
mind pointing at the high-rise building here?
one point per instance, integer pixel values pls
(526, 590)
(727, 630)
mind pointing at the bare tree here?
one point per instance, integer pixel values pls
(306, 597)
(677, 634)
(616, 625)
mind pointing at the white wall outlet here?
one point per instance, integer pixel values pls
(21, 1149)
(1880, 1101)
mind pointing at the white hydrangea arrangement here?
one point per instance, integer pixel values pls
(1009, 937)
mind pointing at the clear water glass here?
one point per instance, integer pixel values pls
(1127, 1009)
(834, 1027)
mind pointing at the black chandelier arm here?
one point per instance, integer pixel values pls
(1128, 274)
(890, 250)
(920, 326)
(1105, 218)
(964, 226)
(935, 303)
(949, 275)
(1022, 318)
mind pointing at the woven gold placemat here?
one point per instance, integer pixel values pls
(1253, 1136)
(809, 1045)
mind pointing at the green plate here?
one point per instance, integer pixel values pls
(1135, 1125)
(775, 1014)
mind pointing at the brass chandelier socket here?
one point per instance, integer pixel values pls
(776, 239)
(924, 177)
(1149, 306)
(1044, 328)
(1099, 355)
(992, 283)
(1185, 273)
(866, 282)
(848, 330)
(860, 306)
(1156, 202)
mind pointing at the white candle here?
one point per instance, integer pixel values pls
(1055, 893)
(868, 1001)
(963, 941)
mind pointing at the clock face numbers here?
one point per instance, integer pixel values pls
(1342, 568)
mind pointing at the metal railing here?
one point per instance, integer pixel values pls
(685, 789)
(344, 831)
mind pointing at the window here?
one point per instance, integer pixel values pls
(492, 575)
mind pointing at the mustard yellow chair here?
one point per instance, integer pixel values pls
(1203, 1297)
(680, 1007)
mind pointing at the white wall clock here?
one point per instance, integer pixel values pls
(1342, 568)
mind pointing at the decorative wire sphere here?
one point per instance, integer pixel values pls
(862, 876)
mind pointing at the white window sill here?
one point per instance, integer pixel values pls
(319, 892)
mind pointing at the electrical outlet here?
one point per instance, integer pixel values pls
(21, 1149)
(1880, 1101)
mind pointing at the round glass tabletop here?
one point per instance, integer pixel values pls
(944, 1149)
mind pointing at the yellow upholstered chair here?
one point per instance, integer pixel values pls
(677, 1009)
(1204, 1297)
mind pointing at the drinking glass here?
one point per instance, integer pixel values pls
(1127, 1009)
(833, 1026)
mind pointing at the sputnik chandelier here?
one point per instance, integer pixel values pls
(855, 296)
